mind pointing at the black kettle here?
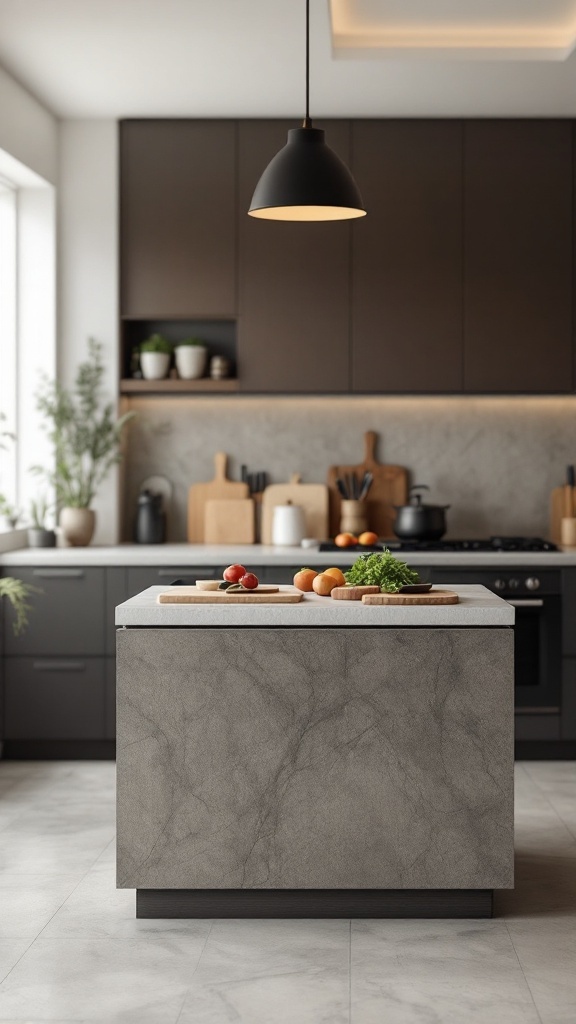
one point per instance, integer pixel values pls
(150, 525)
(416, 521)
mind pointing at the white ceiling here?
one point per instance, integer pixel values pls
(242, 58)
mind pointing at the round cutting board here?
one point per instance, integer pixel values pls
(434, 596)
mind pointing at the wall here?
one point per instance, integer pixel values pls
(493, 460)
(88, 268)
(28, 131)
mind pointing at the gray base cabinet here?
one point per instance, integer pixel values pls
(54, 698)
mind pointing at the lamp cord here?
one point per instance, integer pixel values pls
(307, 121)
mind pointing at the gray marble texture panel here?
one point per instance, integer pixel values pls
(288, 758)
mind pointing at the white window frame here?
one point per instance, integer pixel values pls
(9, 340)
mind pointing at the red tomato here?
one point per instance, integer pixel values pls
(249, 581)
(233, 573)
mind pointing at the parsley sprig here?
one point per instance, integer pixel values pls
(381, 569)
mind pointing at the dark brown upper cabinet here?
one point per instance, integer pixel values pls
(407, 257)
(178, 218)
(518, 256)
(293, 328)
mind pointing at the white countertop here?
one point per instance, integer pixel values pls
(206, 555)
(477, 607)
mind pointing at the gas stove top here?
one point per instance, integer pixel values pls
(488, 544)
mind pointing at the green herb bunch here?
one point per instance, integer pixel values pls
(84, 432)
(383, 570)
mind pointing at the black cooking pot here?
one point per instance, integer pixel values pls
(416, 521)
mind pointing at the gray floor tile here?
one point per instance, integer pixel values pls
(128, 980)
(11, 949)
(27, 902)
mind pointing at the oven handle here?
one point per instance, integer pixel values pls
(526, 602)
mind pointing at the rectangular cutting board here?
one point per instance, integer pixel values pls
(190, 595)
(218, 488)
(389, 488)
(229, 521)
(432, 597)
(313, 498)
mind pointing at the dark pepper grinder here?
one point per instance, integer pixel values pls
(150, 525)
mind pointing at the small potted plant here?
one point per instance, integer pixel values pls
(39, 535)
(190, 356)
(155, 355)
(86, 436)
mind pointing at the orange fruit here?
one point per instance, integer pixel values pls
(345, 540)
(337, 574)
(304, 579)
(368, 538)
(324, 584)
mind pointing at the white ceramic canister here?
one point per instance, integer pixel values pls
(288, 524)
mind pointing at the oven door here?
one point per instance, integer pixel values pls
(537, 653)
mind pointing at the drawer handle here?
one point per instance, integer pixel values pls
(59, 574)
(526, 602)
(59, 666)
(188, 571)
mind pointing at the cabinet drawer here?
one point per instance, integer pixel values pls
(67, 617)
(154, 575)
(54, 698)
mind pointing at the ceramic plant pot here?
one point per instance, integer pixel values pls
(78, 525)
(190, 361)
(40, 538)
(154, 365)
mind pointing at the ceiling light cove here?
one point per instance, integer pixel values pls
(516, 30)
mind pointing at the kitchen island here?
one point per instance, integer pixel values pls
(318, 759)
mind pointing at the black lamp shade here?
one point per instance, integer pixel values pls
(306, 181)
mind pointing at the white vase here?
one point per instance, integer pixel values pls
(78, 525)
(190, 361)
(154, 365)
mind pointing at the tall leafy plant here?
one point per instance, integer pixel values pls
(84, 431)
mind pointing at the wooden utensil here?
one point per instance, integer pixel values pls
(229, 521)
(189, 595)
(353, 593)
(432, 597)
(313, 498)
(389, 487)
(218, 488)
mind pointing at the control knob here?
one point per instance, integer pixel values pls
(513, 583)
(500, 584)
(532, 583)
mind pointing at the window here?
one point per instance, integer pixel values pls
(8, 336)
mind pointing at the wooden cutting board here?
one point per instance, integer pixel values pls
(558, 509)
(389, 488)
(432, 597)
(220, 488)
(313, 498)
(229, 521)
(263, 595)
(353, 593)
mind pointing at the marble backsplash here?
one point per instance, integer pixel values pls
(493, 460)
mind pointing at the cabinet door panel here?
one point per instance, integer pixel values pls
(67, 615)
(54, 698)
(518, 256)
(407, 257)
(293, 330)
(178, 218)
(155, 576)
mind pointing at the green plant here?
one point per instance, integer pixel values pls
(156, 343)
(18, 594)
(381, 569)
(84, 432)
(190, 343)
(9, 512)
(39, 509)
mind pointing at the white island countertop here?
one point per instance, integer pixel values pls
(201, 556)
(477, 607)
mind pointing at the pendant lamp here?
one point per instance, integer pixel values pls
(306, 181)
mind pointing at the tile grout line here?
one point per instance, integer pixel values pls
(195, 969)
(527, 983)
(57, 911)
